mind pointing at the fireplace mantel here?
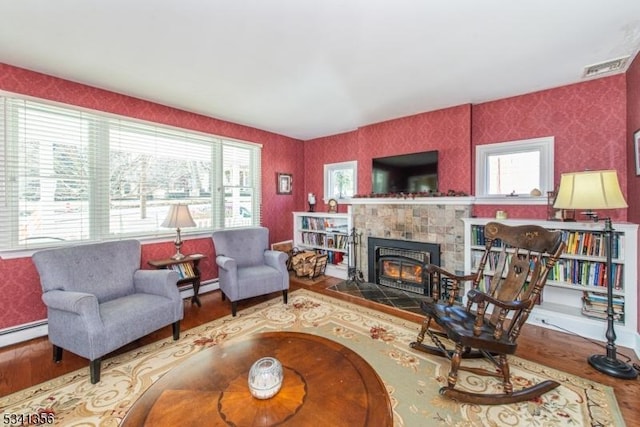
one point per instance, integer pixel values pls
(462, 201)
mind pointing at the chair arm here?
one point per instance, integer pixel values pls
(83, 304)
(157, 282)
(476, 296)
(439, 274)
(276, 259)
(431, 268)
(227, 263)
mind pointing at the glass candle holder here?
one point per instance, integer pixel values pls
(265, 378)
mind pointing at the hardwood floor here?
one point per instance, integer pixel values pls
(26, 364)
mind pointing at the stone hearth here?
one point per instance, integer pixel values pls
(425, 222)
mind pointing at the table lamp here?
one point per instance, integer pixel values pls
(598, 190)
(178, 217)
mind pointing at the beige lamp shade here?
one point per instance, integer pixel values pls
(590, 190)
(178, 217)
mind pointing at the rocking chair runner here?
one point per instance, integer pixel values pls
(520, 258)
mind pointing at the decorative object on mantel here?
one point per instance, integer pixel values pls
(311, 198)
(450, 193)
(178, 216)
(599, 190)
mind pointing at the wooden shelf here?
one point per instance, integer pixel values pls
(187, 269)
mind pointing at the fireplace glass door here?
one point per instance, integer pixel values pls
(403, 270)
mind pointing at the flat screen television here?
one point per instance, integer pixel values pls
(405, 173)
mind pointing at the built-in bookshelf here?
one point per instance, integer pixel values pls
(574, 297)
(325, 233)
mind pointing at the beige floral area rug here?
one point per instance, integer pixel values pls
(412, 378)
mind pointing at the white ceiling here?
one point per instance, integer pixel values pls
(306, 68)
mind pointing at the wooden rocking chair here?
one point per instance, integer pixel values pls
(519, 259)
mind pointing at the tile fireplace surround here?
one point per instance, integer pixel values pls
(432, 220)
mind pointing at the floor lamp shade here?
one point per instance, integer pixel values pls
(178, 217)
(599, 190)
(590, 190)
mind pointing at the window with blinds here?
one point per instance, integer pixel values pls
(69, 175)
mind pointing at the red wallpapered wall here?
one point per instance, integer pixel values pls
(588, 121)
(447, 131)
(633, 125)
(20, 287)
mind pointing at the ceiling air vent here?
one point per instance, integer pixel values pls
(605, 67)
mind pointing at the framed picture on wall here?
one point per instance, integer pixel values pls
(284, 183)
(636, 146)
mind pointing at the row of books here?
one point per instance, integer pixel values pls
(333, 241)
(583, 243)
(334, 257)
(477, 236)
(573, 271)
(322, 224)
(184, 270)
(589, 243)
(492, 260)
(595, 305)
(587, 273)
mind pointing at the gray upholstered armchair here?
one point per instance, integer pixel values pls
(247, 268)
(98, 299)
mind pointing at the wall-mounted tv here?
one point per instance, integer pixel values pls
(405, 173)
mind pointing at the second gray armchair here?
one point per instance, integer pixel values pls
(247, 267)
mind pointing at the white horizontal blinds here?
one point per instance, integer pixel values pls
(256, 179)
(151, 168)
(241, 184)
(48, 175)
(68, 175)
(7, 226)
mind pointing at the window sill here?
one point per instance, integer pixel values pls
(144, 240)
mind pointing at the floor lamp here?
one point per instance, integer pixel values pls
(598, 190)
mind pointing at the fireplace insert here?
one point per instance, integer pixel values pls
(401, 264)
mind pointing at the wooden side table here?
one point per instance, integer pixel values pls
(187, 269)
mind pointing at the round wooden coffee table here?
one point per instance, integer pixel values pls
(325, 383)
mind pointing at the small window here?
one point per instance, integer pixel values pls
(514, 168)
(340, 180)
